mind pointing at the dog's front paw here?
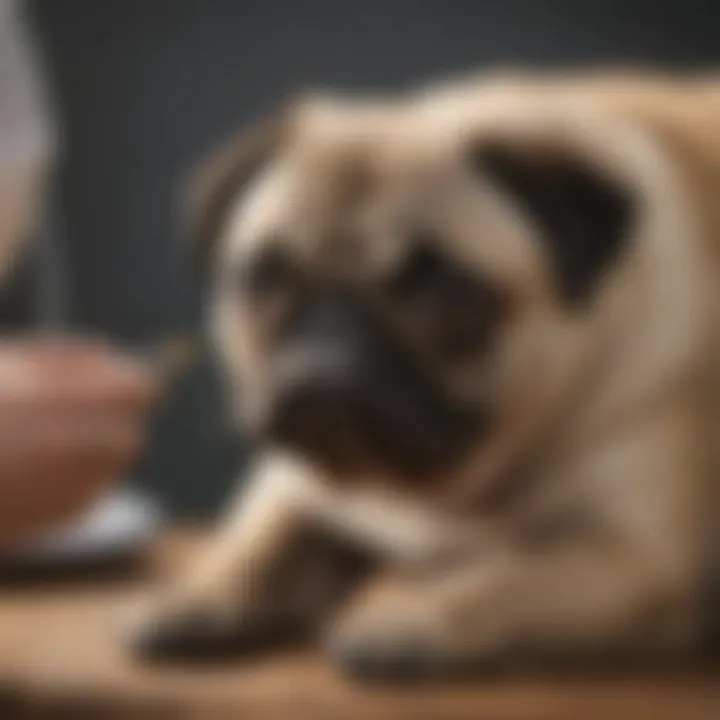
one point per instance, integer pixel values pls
(393, 642)
(170, 631)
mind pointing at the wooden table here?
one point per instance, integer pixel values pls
(59, 658)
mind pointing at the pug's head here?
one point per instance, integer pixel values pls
(387, 287)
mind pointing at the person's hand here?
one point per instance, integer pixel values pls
(71, 419)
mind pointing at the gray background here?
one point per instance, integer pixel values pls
(142, 87)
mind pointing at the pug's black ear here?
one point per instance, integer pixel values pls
(583, 215)
(212, 187)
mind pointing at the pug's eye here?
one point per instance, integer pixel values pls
(451, 311)
(269, 274)
(422, 269)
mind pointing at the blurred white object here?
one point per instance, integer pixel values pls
(118, 525)
(28, 141)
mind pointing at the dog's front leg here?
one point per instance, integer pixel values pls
(265, 571)
(574, 601)
(618, 570)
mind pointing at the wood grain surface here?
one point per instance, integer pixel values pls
(60, 658)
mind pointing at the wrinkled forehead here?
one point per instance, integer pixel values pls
(335, 178)
(354, 184)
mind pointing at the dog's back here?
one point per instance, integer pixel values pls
(680, 114)
(681, 111)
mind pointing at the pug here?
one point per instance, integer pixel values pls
(472, 329)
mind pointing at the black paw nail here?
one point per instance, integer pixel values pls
(194, 636)
(202, 636)
(412, 662)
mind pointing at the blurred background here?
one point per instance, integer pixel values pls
(142, 89)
